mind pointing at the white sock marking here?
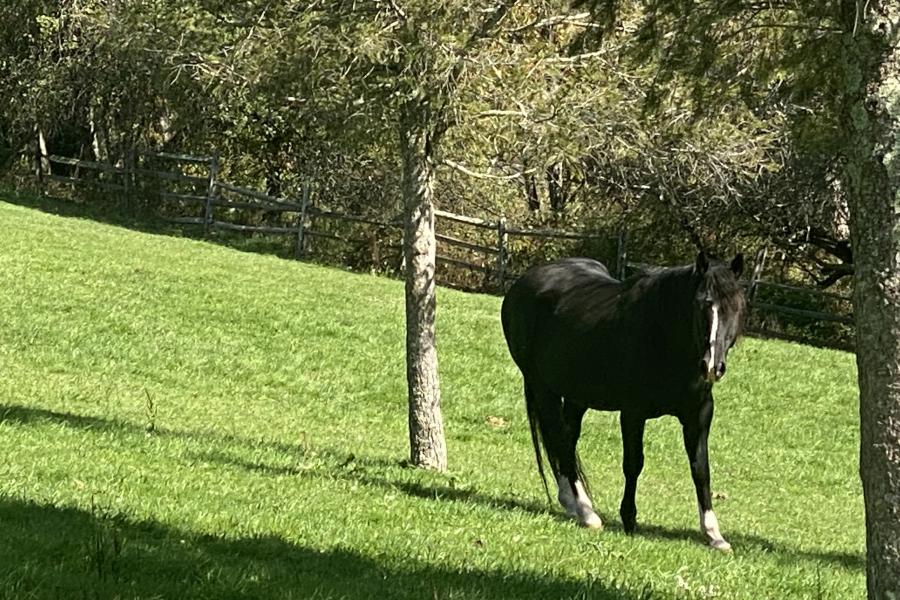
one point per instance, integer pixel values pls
(577, 504)
(709, 525)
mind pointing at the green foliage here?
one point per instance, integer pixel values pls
(767, 77)
(695, 123)
(182, 420)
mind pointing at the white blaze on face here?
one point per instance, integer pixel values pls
(713, 332)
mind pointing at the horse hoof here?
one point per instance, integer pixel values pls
(720, 545)
(591, 521)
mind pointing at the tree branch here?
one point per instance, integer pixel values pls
(397, 9)
(487, 25)
(577, 20)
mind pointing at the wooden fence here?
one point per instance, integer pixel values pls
(465, 243)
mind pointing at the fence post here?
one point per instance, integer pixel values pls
(301, 222)
(128, 176)
(211, 192)
(622, 253)
(502, 242)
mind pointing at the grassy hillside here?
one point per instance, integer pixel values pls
(181, 420)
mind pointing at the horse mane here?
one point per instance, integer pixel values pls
(650, 281)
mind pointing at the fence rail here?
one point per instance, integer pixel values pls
(798, 312)
(797, 288)
(489, 259)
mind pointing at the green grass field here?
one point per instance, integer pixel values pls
(182, 420)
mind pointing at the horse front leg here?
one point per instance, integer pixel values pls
(696, 433)
(632, 465)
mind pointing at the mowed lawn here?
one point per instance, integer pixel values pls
(182, 420)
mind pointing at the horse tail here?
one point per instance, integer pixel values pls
(534, 421)
(579, 472)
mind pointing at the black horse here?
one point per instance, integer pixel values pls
(648, 346)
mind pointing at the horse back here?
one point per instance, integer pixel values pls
(563, 326)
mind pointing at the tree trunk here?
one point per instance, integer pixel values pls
(556, 191)
(98, 136)
(531, 194)
(872, 183)
(426, 428)
(44, 163)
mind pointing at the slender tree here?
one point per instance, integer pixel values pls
(429, 92)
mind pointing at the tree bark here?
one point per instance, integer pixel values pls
(98, 135)
(556, 189)
(531, 194)
(44, 163)
(872, 182)
(426, 428)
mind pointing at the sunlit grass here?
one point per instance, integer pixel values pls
(180, 420)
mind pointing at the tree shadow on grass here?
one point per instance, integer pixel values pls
(380, 473)
(354, 468)
(28, 415)
(351, 470)
(69, 553)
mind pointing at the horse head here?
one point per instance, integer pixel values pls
(718, 315)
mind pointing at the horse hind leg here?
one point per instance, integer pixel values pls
(570, 468)
(560, 428)
(556, 425)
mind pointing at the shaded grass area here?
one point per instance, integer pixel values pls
(112, 211)
(106, 210)
(120, 555)
(181, 420)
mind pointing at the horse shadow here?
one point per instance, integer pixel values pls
(356, 469)
(742, 541)
(439, 492)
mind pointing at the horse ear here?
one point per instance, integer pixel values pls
(702, 263)
(737, 264)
